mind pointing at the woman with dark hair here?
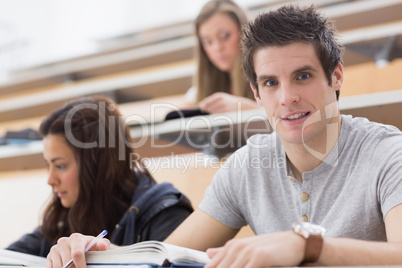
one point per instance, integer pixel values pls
(97, 183)
(219, 84)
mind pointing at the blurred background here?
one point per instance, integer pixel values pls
(44, 31)
(135, 52)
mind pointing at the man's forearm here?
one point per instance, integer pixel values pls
(345, 251)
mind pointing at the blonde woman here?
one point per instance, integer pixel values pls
(220, 85)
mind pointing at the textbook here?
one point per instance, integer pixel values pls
(149, 254)
(14, 258)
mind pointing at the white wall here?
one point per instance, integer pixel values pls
(22, 198)
(28, 39)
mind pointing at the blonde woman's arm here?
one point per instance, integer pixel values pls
(221, 102)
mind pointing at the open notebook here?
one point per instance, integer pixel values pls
(13, 258)
(149, 253)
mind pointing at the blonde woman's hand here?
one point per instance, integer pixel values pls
(221, 102)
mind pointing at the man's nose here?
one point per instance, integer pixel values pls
(289, 95)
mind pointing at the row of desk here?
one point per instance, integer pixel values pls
(215, 135)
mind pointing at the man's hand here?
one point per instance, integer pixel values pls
(73, 247)
(277, 249)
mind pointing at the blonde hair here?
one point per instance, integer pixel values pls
(209, 79)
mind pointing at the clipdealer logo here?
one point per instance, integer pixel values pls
(330, 155)
(113, 141)
(200, 132)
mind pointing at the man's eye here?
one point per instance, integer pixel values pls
(271, 83)
(303, 76)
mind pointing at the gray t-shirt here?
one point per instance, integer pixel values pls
(349, 193)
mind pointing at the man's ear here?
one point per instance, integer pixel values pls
(256, 94)
(337, 77)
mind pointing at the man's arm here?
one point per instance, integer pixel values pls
(337, 251)
(287, 249)
(393, 221)
(200, 231)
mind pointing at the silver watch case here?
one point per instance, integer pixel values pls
(306, 229)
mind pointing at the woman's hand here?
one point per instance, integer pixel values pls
(73, 247)
(221, 102)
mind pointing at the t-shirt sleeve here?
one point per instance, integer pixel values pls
(221, 199)
(387, 165)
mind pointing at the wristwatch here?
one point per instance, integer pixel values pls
(314, 239)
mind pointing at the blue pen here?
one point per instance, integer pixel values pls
(90, 245)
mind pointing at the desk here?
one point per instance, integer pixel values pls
(212, 134)
(216, 135)
(21, 156)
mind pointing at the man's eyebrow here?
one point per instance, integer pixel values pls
(304, 69)
(265, 78)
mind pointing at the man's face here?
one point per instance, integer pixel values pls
(294, 91)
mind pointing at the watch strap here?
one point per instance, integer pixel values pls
(313, 248)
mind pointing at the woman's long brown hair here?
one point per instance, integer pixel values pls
(95, 131)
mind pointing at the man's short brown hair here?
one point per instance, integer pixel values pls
(287, 25)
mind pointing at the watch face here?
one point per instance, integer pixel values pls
(313, 229)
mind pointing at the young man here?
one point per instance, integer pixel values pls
(318, 167)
